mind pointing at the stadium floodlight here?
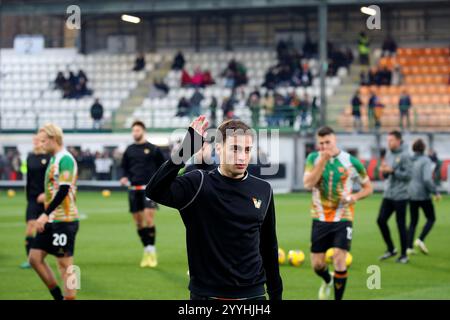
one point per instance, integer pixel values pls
(132, 19)
(368, 11)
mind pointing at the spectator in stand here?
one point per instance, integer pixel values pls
(270, 79)
(279, 109)
(235, 74)
(73, 79)
(161, 86)
(213, 112)
(178, 61)
(254, 104)
(195, 102)
(309, 48)
(282, 50)
(397, 76)
(294, 104)
(228, 105)
(186, 80)
(81, 89)
(356, 112)
(59, 81)
(349, 58)
(82, 75)
(315, 109)
(389, 47)
(385, 76)
(306, 76)
(373, 101)
(208, 79)
(229, 78)
(284, 76)
(139, 63)
(184, 108)
(363, 79)
(97, 114)
(363, 49)
(268, 104)
(304, 108)
(374, 77)
(404, 105)
(75, 86)
(197, 78)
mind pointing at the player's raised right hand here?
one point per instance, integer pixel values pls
(200, 125)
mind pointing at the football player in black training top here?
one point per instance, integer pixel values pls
(37, 162)
(140, 161)
(229, 217)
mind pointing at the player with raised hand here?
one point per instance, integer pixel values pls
(229, 216)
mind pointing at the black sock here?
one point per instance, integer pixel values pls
(340, 279)
(144, 236)
(324, 274)
(151, 235)
(28, 244)
(56, 293)
(148, 235)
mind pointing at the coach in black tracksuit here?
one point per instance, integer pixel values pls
(230, 222)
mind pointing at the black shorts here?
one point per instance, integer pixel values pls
(327, 235)
(138, 201)
(34, 210)
(57, 239)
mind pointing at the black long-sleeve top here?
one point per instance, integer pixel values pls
(230, 229)
(140, 162)
(36, 167)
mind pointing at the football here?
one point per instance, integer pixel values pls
(296, 257)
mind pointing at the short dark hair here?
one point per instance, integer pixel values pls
(397, 134)
(138, 123)
(419, 146)
(231, 125)
(325, 131)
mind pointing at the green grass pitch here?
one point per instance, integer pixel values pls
(108, 251)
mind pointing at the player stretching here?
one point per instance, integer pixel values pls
(37, 162)
(140, 161)
(229, 217)
(57, 226)
(331, 173)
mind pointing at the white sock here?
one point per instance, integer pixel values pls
(150, 249)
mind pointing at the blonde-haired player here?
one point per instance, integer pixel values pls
(57, 226)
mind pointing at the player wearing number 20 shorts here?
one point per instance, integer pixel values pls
(331, 173)
(57, 226)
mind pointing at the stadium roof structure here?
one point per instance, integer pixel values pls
(36, 7)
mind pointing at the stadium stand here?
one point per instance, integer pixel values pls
(28, 98)
(425, 73)
(256, 63)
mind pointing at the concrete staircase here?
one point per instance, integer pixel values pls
(137, 96)
(343, 95)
